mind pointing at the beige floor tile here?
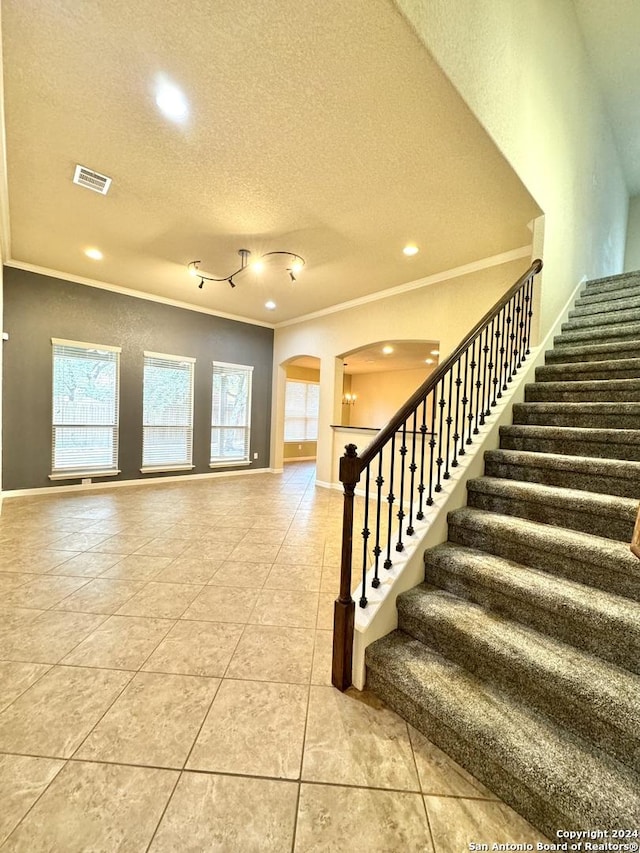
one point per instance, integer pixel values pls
(12, 618)
(22, 781)
(121, 642)
(154, 722)
(54, 716)
(287, 609)
(322, 658)
(294, 577)
(80, 541)
(222, 535)
(196, 648)
(353, 739)
(381, 821)
(209, 550)
(12, 580)
(161, 600)
(253, 728)
(97, 808)
(228, 814)
(189, 569)
(100, 595)
(222, 604)
(122, 543)
(88, 564)
(137, 567)
(48, 637)
(252, 552)
(16, 677)
(265, 653)
(43, 592)
(161, 546)
(330, 580)
(325, 612)
(440, 775)
(245, 575)
(455, 823)
(262, 536)
(35, 561)
(310, 555)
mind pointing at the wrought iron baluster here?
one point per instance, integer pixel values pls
(529, 311)
(432, 446)
(412, 467)
(391, 500)
(365, 539)
(423, 440)
(508, 343)
(485, 388)
(471, 389)
(465, 400)
(449, 421)
(519, 328)
(494, 366)
(439, 460)
(377, 549)
(456, 434)
(401, 512)
(501, 351)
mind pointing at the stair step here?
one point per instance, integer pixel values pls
(600, 334)
(601, 319)
(612, 283)
(584, 391)
(589, 371)
(582, 557)
(598, 622)
(593, 297)
(600, 306)
(589, 696)
(601, 476)
(593, 352)
(573, 441)
(546, 774)
(600, 415)
(590, 512)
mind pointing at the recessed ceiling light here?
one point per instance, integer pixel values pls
(429, 361)
(411, 249)
(435, 352)
(94, 254)
(387, 350)
(270, 305)
(257, 265)
(170, 100)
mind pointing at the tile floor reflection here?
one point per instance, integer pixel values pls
(165, 655)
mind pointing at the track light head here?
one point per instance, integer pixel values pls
(291, 275)
(201, 285)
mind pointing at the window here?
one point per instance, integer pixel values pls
(85, 410)
(167, 431)
(230, 413)
(301, 411)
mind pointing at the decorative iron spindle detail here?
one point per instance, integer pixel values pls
(365, 538)
(501, 351)
(439, 460)
(519, 330)
(485, 387)
(471, 387)
(391, 500)
(377, 550)
(495, 349)
(508, 343)
(448, 421)
(465, 400)
(456, 434)
(412, 468)
(529, 303)
(432, 446)
(401, 513)
(423, 434)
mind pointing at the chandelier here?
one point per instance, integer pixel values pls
(257, 264)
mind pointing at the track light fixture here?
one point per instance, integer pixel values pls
(257, 264)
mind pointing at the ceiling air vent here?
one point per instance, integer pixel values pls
(91, 180)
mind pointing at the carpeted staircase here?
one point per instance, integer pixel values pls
(520, 654)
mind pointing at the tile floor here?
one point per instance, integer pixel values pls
(165, 684)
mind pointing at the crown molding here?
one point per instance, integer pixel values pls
(445, 275)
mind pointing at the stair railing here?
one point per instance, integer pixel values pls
(416, 451)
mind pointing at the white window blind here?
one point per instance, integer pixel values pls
(167, 433)
(230, 413)
(301, 404)
(85, 409)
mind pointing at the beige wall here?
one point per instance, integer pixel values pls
(632, 254)
(522, 68)
(445, 311)
(380, 395)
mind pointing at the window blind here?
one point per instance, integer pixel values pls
(85, 408)
(301, 404)
(167, 430)
(230, 413)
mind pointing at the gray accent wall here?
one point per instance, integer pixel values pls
(38, 308)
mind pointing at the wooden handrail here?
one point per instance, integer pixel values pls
(420, 394)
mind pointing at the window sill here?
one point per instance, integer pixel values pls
(235, 463)
(160, 469)
(82, 475)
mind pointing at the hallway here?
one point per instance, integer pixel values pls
(165, 655)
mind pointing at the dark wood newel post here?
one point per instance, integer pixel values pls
(344, 609)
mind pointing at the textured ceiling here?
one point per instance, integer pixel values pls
(324, 129)
(611, 31)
